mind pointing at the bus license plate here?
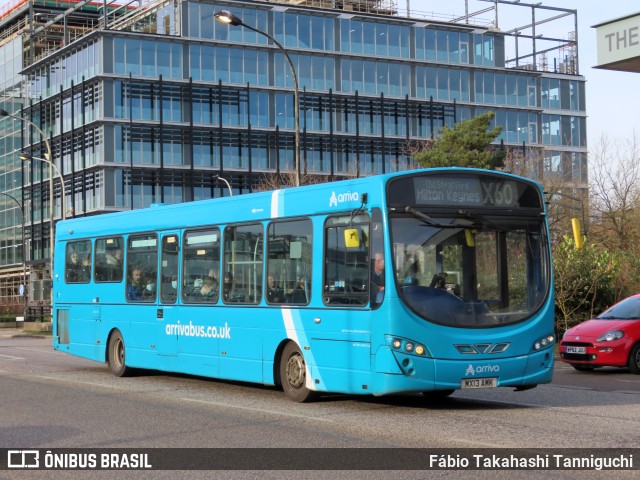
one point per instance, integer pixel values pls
(576, 349)
(479, 382)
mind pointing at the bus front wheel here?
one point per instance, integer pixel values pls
(116, 355)
(293, 374)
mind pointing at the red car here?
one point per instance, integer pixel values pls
(612, 339)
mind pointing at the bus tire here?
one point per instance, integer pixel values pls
(293, 374)
(116, 355)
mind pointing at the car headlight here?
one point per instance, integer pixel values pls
(610, 336)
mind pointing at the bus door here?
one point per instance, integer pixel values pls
(167, 312)
(347, 294)
(200, 319)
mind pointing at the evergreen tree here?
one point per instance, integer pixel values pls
(467, 144)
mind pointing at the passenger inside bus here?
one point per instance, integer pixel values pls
(72, 271)
(377, 279)
(136, 289)
(275, 294)
(212, 274)
(114, 257)
(84, 273)
(209, 290)
(439, 280)
(299, 293)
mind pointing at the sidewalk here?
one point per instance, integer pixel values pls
(19, 332)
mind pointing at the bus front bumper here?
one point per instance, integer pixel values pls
(411, 373)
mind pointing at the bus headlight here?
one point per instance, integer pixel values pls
(407, 346)
(544, 342)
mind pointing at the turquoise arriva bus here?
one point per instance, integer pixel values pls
(424, 281)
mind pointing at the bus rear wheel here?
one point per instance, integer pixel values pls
(116, 355)
(293, 374)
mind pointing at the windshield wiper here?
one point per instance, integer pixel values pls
(611, 317)
(480, 220)
(424, 217)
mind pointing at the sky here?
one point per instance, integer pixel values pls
(612, 97)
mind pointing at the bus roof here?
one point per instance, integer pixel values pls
(327, 197)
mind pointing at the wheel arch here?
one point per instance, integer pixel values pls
(277, 357)
(634, 350)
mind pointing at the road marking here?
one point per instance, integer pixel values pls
(254, 409)
(12, 357)
(49, 351)
(57, 379)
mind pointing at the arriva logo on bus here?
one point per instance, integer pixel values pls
(481, 369)
(343, 197)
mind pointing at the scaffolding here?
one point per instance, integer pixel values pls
(380, 7)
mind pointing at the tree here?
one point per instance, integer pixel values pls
(615, 192)
(467, 144)
(564, 199)
(614, 184)
(275, 181)
(585, 282)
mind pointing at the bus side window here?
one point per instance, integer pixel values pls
(109, 257)
(243, 259)
(142, 268)
(78, 262)
(169, 269)
(201, 266)
(377, 277)
(289, 262)
(346, 261)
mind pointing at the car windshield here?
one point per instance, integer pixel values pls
(627, 309)
(470, 270)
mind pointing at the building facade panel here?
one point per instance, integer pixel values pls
(154, 108)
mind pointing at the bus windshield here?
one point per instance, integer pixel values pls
(469, 249)
(470, 273)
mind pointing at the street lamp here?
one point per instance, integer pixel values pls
(48, 159)
(26, 157)
(218, 177)
(24, 258)
(224, 16)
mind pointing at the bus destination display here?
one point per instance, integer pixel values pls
(471, 192)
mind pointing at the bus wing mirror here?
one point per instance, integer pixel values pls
(351, 238)
(470, 237)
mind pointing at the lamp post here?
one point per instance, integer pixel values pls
(224, 16)
(48, 156)
(218, 177)
(24, 258)
(26, 157)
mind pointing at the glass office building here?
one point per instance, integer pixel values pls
(151, 105)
